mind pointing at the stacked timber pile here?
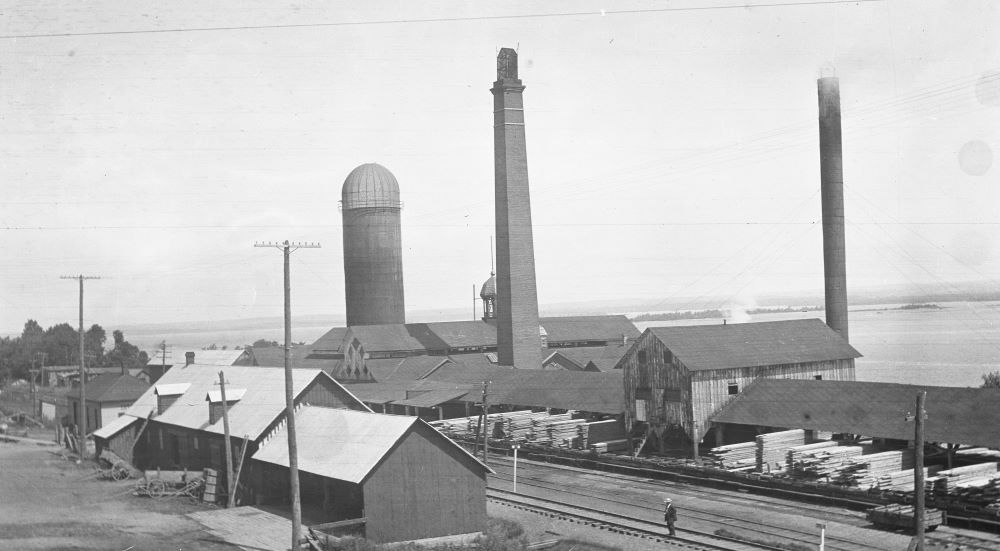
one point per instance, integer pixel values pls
(600, 431)
(517, 424)
(902, 481)
(773, 446)
(735, 457)
(865, 471)
(539, 427)
(960, 478)
(564, 434)
(795, 454)
(823, 463)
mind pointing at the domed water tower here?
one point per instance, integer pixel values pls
(373, 249)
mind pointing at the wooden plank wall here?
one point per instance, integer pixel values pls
(325, 393)
(424, 488)
(710, 389)
(657, 375)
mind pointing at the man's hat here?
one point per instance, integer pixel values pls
(667, 500)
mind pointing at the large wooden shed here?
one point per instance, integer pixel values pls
(396, 477)
(676, 378)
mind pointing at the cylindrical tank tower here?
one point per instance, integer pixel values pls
(373, 249)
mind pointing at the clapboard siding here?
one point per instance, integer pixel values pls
(658, 376)
(423, 474)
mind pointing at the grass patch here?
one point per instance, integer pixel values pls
(722, 532)
(501, 535)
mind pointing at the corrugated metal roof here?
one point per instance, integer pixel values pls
(117, 425)
(463, 334)
(337, 443)
(384, 338)
(390, 392)
(604, 358)
(588, 328)
(704, 347)
(216, 357)
(954, 415)
(263, 401)
(113, 387)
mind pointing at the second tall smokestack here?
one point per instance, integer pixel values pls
(831, 168)
(518, 341)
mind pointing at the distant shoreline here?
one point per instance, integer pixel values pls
(715, 313)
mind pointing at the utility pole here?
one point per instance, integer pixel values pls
(918, 470)
(163, 357)
(230, 486)
(83, 371)
(486, 421)
(293, 461)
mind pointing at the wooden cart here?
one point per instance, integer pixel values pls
(170, 484)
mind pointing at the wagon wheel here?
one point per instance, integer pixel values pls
(156, 488)
(120, 471)
(196, 492)
(141, 488)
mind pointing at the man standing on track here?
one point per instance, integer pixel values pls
(669, 514)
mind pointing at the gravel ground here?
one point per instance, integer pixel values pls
(48, 502)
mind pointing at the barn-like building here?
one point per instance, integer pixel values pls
(676, 378)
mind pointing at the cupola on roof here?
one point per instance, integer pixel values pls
(370, 185)
(489, 289)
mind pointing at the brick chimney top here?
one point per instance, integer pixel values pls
(188, 358)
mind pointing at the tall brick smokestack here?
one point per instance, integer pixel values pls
(832, 191)
(518, 340)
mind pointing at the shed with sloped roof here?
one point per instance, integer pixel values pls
(397, 477)
(108, 396)
(677, 377)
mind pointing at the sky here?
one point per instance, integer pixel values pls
(672, 149)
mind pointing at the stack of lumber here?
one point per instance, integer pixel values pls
(539, 427)
(564, 434)
(902, 481)
(773, 446)
(795, 454)
(600, 431)
(517, 424)
(865, 471)
(823, 462)
(610, 446)
(735, 457)
(953, 480)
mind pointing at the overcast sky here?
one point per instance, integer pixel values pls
(672, 152)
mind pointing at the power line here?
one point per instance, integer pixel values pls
(600, 13)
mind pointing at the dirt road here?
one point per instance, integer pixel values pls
(47, 502)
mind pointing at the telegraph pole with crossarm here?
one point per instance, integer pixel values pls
(83, 370)
(293, 462)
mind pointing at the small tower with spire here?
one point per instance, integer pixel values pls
(489, 295)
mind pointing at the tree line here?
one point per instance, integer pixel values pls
(60, 345)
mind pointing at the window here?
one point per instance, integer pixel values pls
(672, 395)
(668, 357)
(734, 389)
(194, 443)
(641, 357)
(643, 393)
(159, 432)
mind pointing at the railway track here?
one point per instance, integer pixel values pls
(942, 539)
(653, 531)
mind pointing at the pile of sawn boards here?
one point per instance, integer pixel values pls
(559, 430)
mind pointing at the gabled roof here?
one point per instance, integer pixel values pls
(410, 368)
(463, 334)
(954, 415)
(331, 340)
(604, 358)
(588, 328)
(113, 387)
(387, 337)
(260, 405)
(705, 347)
(431, 398)
(346, 445)
(393, 391)
(274, 356)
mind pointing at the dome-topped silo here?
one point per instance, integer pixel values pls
(373, 248)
